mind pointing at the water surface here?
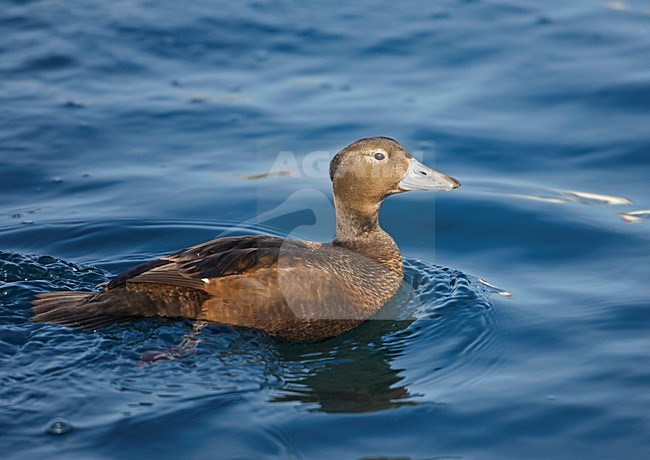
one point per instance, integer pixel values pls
(129, 130)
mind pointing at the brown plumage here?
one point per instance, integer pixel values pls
(294, 290)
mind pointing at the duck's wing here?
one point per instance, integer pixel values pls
(193, 267)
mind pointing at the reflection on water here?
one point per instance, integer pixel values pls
(635, 216)
(573, 196)
(553, 195)
(353, 377)
(593, 198)
(496, 289)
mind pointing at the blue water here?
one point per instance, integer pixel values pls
(129, 130)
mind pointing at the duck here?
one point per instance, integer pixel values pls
(297, 291)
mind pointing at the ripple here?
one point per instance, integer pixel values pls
(29, 267)
(455, 323)
(58, 426)
(361, 371)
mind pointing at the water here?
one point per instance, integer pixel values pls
(129, 130)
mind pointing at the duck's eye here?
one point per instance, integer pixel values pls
(379, 156)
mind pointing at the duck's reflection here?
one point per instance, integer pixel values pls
(354, 375)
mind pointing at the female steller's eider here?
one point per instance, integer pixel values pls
(293, 290)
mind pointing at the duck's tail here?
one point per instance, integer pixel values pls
(70, 308)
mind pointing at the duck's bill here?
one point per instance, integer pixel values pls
(420, 177)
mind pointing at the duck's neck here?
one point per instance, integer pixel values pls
(357, 229)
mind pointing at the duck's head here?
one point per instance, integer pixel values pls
(370, 169)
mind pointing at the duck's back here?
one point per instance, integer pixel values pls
(292, 289)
